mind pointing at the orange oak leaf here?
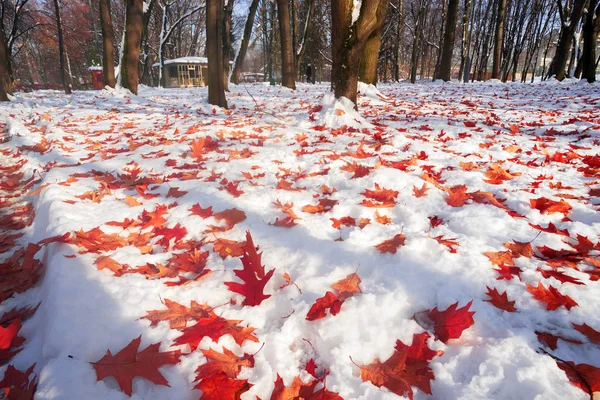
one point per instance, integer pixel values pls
(282, 392)
(500, 257)
(226, 362)
(228, 248)
(105, 262)
(221, 387)
(420, 192)
(380, 197)
(253, 274)
(500, 300)
(391, 245)
(193, 261)
(348, 286)
(547, 206)
(496, 175)
(408, 366)
(177, 314)
(382, 219)
(447, 324)
(519, 249)
(129, 363)
(324, 205)
(457, 196)
(231, 216)
(551, 296)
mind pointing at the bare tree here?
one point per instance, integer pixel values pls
(568, 25)
(214, 51)
(5, 83)
(302, 47)
(241, 55)
(131, 45)
(448, 47)
(61, 48)
(288, 65)
(498, 36)
(108, 62)
(227, 16)
(591, 30)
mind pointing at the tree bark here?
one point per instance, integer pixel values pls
(561, 56)
(227, 15)
(465, 61)
(368, 62)
(438, 60)
(399, 31)
(61, 48)
(288, 66)
(448, 47)
(591, 29)
(498, 35)
(239, 59)
(348, 41)
(108, 62)
(5, 81)
(132, 42)
(300, 52)
(214, 52)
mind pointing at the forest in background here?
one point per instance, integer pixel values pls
(470, 40)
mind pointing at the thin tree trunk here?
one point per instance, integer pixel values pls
(227, 15)
(498, 35)
(288, 66)
(466, 44)
(61, 48)
(436, 72)
(399, 31)
(368, 62)
(214, 51)
(108, 62)
(239, 60)
(447, 50)
(301, 50)
(131, 45)
(5, 81)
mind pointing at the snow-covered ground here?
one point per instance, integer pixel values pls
(126, 181)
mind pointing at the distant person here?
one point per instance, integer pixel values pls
(309, 78)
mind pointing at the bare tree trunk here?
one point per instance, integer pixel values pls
(300, 51)
(591, 29)
(5, 81)
(367, 72)
(436, 72)
(498, 35)
(348, 41)
(239, 60)
(214, 51)
(288, 66)
(61, 48)
(465, 61)
(227, 14)
(108, 62)
(131, 45)
(561, 56)
(447, 50)
(399, 31)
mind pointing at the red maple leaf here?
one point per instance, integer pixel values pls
(177, 314)
(18, 385)
(380, 197)
(129, 363)
(408, 366)
(551, 296)
(500, 300)
(196, 209)
(547, 206)
(447, 324)
(420, 192)
(329, 302)
(221, 387)
(9, 340)
(253, 274)
(214, 327)
(585, 376)
(592, 334)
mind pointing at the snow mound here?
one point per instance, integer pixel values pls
(340, 112)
